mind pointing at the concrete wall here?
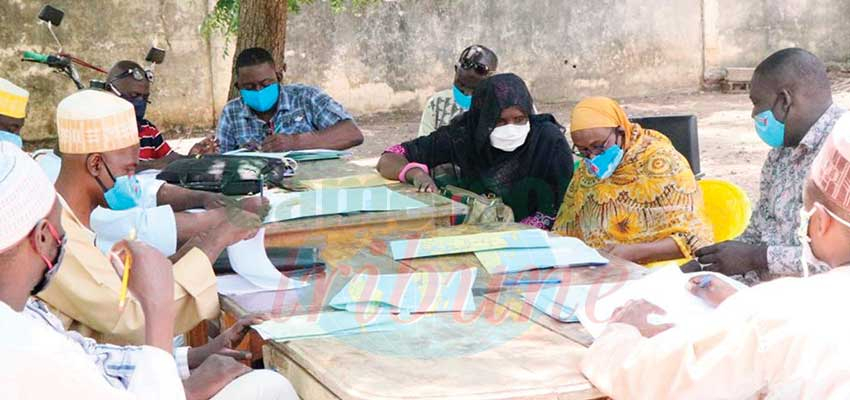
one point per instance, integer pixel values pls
(103, 32)
(742, 33)
(395, 54)
(400, 52)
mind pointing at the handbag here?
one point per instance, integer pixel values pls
(482, 209)
(229, 175)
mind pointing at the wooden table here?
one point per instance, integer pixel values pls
(356, 231)
(512, 351)
(339, 237)
(618, 270)
(498, 356)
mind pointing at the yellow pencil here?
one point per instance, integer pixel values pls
(125, 279)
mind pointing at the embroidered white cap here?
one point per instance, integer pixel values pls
(831, 168)
(92, 121)
(26, 195)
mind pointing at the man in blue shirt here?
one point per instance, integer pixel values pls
(273, 118)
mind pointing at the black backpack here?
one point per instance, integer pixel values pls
(229, 175)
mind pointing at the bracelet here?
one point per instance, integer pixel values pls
(408, 167)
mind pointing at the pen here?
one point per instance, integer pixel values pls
(531, 282)
(125, 279)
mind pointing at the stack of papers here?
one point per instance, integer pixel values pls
(416, 248)
(248, 258)
(417, 292)
(561, 252)
(287, 206)
(666, 288)
(335, 323)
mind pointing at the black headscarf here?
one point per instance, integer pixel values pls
(491, 97)
(543, 158)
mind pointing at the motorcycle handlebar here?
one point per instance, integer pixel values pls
(48, 59)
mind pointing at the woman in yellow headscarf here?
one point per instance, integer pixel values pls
(634, 195)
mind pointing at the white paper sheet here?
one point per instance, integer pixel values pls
(248, 258)
(666, 288)
(334, 323)
(235, 285)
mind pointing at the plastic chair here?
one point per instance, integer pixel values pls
(682, 132)
(727, 208)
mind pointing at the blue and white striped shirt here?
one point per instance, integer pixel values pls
(117, 363)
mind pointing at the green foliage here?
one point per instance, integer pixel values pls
(224, 18)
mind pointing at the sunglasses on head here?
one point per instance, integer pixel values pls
(137, 74)
(466, 62)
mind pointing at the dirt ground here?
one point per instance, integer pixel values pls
(729, 146)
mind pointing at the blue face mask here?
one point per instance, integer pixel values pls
(604, 165)
(770, 130)
(261, 100)
(12, 138)
(140, 106)
(463, 101)
(125, 194)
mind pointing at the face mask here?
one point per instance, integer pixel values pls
(604, 165)
(140, 106)
(261, 100)
(125, 194)
(463, 101)
(12, 138)
(52, 266)
(769, 129)
(509, 137)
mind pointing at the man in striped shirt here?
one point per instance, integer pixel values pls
(131, 82)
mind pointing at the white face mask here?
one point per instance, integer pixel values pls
(509, 137)
(808, 256)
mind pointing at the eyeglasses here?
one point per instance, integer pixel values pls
(592, 151)
(466, 62)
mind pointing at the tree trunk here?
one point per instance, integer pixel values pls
(262, 23)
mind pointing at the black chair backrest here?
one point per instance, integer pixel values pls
(682, 132)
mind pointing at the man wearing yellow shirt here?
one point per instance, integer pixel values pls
(99, 144)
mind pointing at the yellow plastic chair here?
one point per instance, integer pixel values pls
(726, 207)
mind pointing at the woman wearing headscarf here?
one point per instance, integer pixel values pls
(498, 147)
(634, 195)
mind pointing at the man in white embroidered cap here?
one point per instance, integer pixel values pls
(36, 347)
(782, 339)
(99, 144)
(32, 246)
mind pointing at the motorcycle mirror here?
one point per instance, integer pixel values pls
(51, 15)
(155, 55)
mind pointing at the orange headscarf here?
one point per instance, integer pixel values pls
(602, 112)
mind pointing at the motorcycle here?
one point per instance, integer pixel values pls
(67, 63)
